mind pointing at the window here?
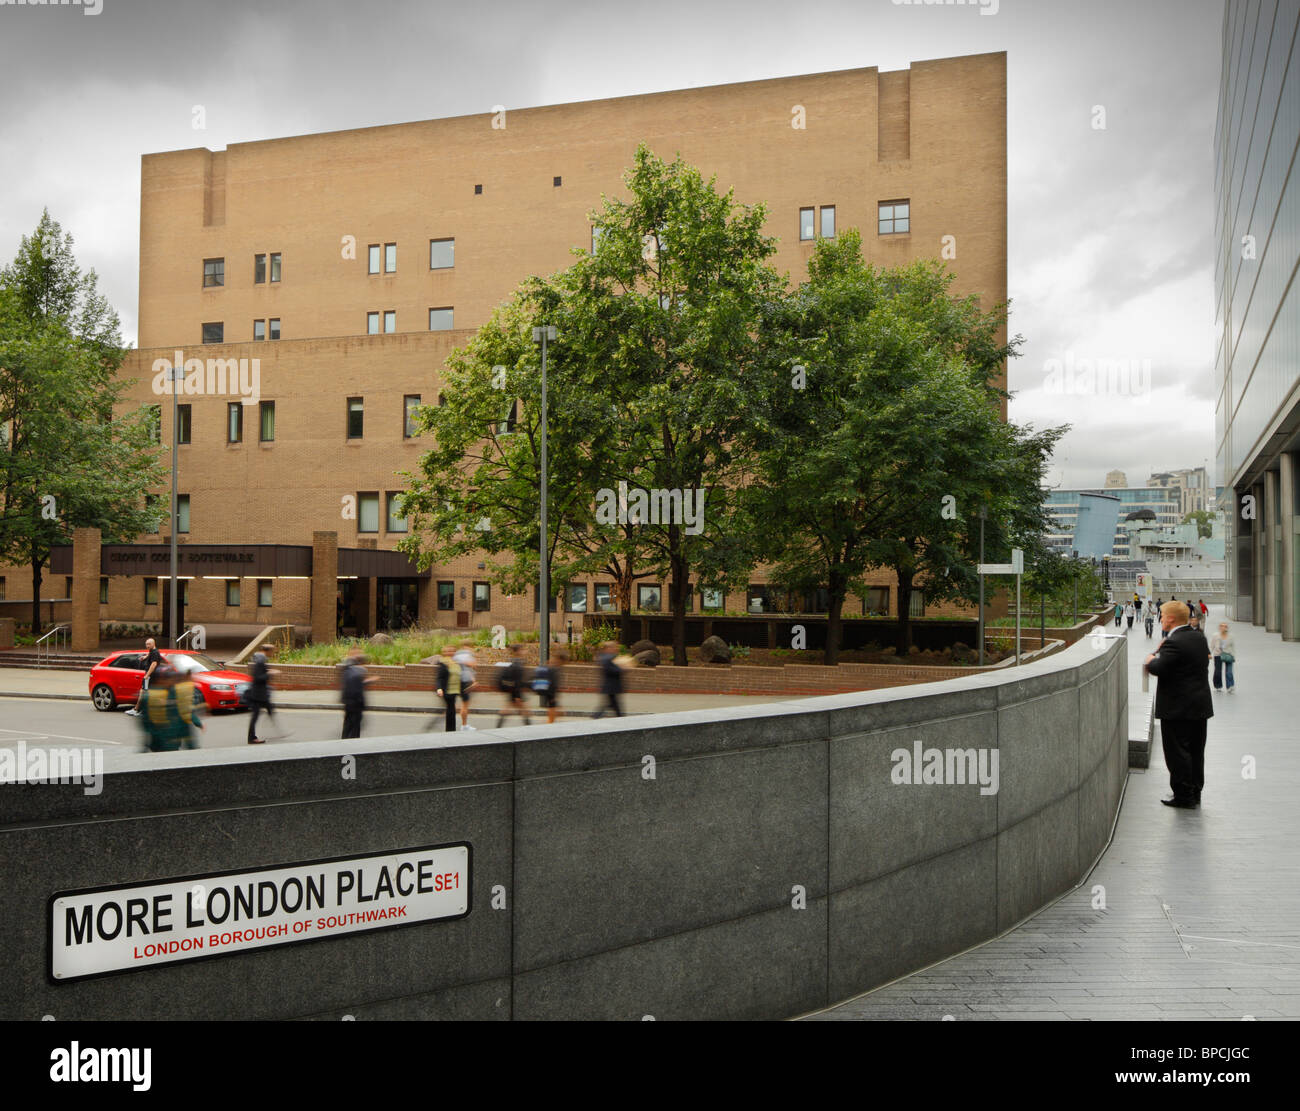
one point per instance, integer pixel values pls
(367, 513)
(712, 599)
(410, 403)
(758, 599)
(442, 254)
(182, 424)
(67, 586)
(214, 272)
(648, 597)
(390, 258)
(595, 238)
(482, 597)
(690, 599)
(806, 223)
(374, 258)
(440, 320)
(259, 269)
(604, 598)
(150, 592)
(356, 417)
(875, 603)
(551, 606)
(390, 322)
(235, 422)
(2, 588)
(372, 324)
(232, 592)
(264, 593)
(275, 267)
(916, 604)
(828, 221)
(446, 595)
(214, 332)
(575, 598)
(396, 522)
(477, 190)
(895, 217)
(103, 590)
(274, 322)
(556, 182)
(182, 513)
(259, 330)
(266, 421)
(817, 601)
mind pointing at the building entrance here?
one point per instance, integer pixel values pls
(398, 603)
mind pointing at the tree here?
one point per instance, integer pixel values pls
(72, 461)
(1204, 522)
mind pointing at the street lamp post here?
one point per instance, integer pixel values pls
(542, 335)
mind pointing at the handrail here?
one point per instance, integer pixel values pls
(188, 633)
(61, 632)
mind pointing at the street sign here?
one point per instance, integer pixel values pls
(995, 569)
(1017, 561)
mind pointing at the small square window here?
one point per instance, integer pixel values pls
(103, 591)
(875, 602)
(478, 189)
(575, 598)
(182, 513)
(183, 424)
(410, 403)
(266, 422)
(259, 269)
(275, 267)
(828, 221)
(214, 272)
(390, 322)
(916, 604)
(442, 254)
(372, 324)
(555, 182)
(712, 599)
(150, 592)
(390, 258)
(482, 597)
(446, 595)
(396, 522)
(274, 323)
(259, 329)
(232, 592)
(604, 598)
(264, 593)
(440, 320)
(649, 597)
(807, 223)
(356, 417)
(374, 258)
(214, 333)
(894, 217)
(234, 422)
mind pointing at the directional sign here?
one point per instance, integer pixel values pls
(995, 568)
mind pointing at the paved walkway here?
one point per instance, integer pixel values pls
(1202, 907)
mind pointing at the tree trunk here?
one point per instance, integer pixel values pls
(36, 595)
(680, 570)
(904, 612)
(623, 587)
(834, 620)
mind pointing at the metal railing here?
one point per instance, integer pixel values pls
(62, 634)
(180, 640)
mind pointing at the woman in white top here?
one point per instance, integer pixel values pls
(1224, 650)
(1130, 613)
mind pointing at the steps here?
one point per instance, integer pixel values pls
(54, 661)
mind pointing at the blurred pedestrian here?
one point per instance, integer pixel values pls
(468, 662)
(1129, 613)
(511, 680)
(1223, 647)
(170, 712)
(353, 682)
(258, 695)
(448, 684)
(1119, 614)
(611, 679)
(546, 683)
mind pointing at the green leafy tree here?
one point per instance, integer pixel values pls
(1204, 521)
(71, 460)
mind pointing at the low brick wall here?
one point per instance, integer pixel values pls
(792, 679)
(6, 632)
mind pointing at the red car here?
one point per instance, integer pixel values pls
(115, 680)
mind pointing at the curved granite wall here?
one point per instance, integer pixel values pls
(740, 863)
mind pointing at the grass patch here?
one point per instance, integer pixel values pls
(406, 648)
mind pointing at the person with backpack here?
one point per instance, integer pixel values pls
(611, 679)
(510, 682)
(546, 683)
(449, 684)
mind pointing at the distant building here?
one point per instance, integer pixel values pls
(1193, 485)
(1116, 480)
(1092, 521)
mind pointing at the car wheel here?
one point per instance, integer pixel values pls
(102, 697)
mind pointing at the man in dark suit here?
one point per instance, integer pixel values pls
(1183, 702)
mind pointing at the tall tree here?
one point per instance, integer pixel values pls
(72, 459)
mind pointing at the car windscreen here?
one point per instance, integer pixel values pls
(192, 662)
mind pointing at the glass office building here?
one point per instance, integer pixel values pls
(1257, 290)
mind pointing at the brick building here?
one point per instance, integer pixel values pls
(351, 263)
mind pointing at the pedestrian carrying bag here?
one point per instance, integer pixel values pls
(542, 680)
(1227, 657)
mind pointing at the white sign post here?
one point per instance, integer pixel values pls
(1015, 567)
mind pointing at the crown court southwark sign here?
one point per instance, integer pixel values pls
(129, 927)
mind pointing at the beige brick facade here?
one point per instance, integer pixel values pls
(934, 135)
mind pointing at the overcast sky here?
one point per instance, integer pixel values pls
(1111, 230)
